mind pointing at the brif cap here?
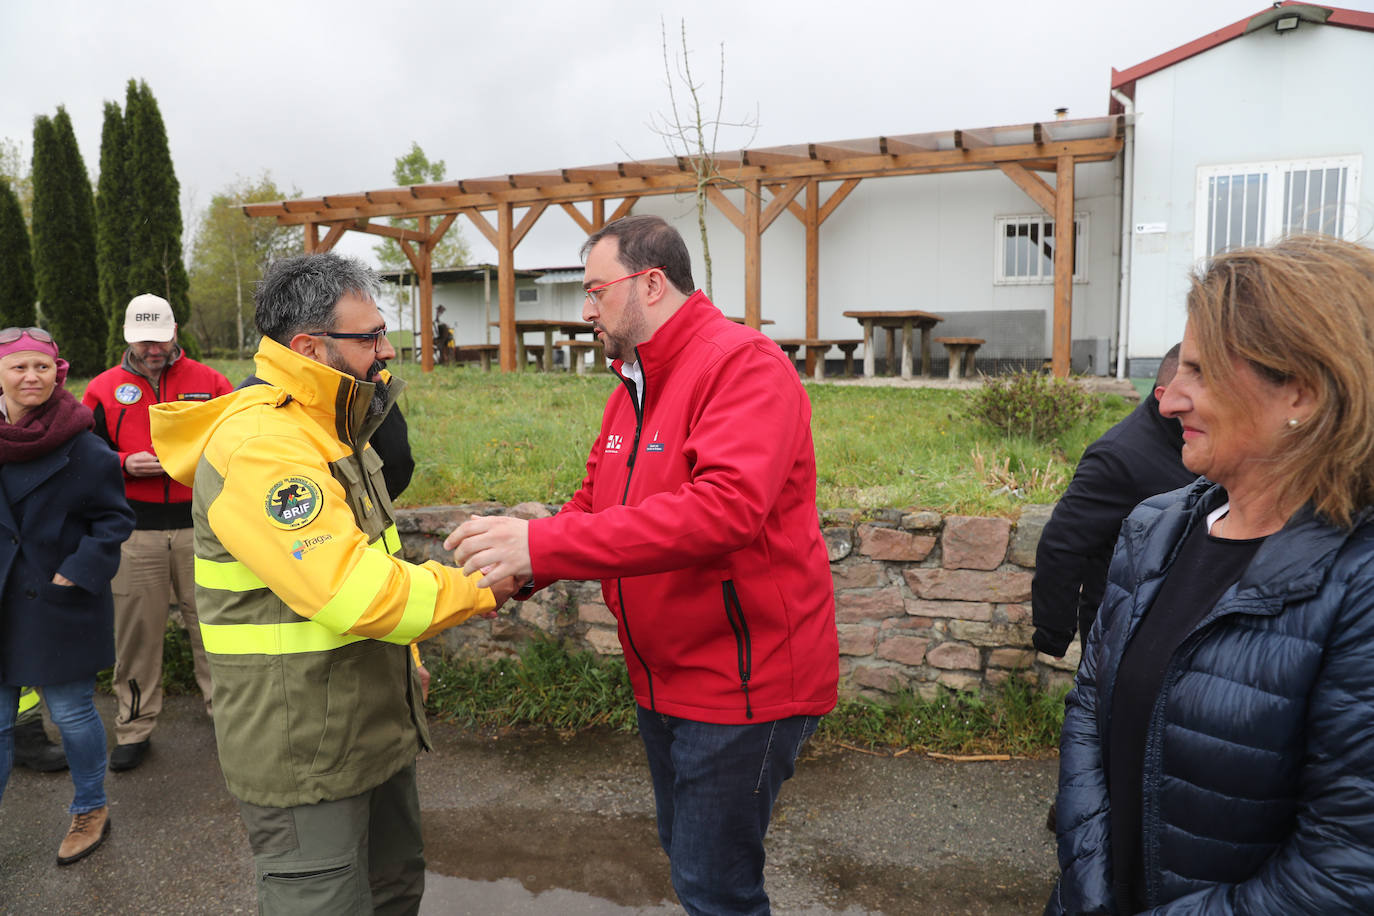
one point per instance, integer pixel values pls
(149, 317)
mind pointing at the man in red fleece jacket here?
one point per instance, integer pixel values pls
(158, 559)
(698, 515)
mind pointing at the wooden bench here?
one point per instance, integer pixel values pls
(483, 352)
(961, 350)
(578, 348)
(819, 346)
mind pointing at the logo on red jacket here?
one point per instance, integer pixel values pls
(128, 394)
(293, 502)
(614, 443)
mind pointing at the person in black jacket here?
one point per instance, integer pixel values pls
(1135, 459)
(1216, 754)
(63, 516)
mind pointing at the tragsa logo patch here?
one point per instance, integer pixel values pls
(293, 502)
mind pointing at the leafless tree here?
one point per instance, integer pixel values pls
(691, 134)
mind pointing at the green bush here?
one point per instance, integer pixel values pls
(1031, 404)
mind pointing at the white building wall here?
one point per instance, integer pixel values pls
(1261, 97)
(923, 242)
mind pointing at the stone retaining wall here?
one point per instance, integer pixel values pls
(920, 599)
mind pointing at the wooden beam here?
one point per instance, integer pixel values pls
(831, 152)
(624, 209)
(582, 221)
(1063, 267)
(1037, 188)
(811, 219)
(598, 214)
(437, 235)
(780, 202)
(538, 179)
(909, 143)
(426, 275)
(591, 175)
(527, 222)
(860, 166)
(483, 227)
(438, 190)
(408, 249)
(973, 139)
(505, 285)
(775, 157)
(345, 200)
(753, 248)
(837, 197)
(485, 185)
(304, 205)
(332, 237)
(391, 232)
(312, 237)
(723, 204)
(390, 196)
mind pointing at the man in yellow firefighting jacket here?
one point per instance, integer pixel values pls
(305, 611)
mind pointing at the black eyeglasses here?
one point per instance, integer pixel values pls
(374, 336)
(10, 335)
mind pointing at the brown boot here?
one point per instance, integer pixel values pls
(87, 832)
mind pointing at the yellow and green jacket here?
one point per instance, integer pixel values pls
(305, 611)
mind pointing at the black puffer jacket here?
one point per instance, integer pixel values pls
(1258, 781)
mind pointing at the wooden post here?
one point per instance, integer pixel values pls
(426, 278)
(753, 242)
(813, 264)
(598, 214)
(505, 283)
(312, 237)
(1063, 266)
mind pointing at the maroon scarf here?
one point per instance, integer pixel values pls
(44, 428)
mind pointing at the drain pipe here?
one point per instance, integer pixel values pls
(1127, 225)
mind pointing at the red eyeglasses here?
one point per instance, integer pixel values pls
(591, 293)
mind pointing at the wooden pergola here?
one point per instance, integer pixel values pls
(774, 179)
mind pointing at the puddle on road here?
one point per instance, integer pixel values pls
(952, 889)
(615, 859)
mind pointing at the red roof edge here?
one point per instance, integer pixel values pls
(1350, 19)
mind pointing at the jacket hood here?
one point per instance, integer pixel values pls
(339, 402)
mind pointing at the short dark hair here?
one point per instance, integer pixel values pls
(646, 242)
(299, 294)
(1168, 366)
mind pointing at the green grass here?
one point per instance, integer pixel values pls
(548, 686)
(517, 437)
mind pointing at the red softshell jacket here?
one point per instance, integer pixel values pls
(698, 513)
(120, 397)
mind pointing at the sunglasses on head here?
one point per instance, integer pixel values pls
(10, 335)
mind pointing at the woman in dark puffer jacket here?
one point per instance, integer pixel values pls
(1218, 746)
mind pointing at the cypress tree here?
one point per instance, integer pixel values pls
(112, 209)
(155, 262)
(16, 269)
(64, 245)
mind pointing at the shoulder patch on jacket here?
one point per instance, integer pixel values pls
(293, 502)
(128, 393)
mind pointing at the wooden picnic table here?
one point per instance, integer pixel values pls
(906, 321)
(548, 327)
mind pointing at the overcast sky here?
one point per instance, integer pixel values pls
(326, 95)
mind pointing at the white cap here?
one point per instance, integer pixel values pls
(149, 317)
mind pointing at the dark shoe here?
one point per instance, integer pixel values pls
(87, 832)
(32, 749)
(1052, 822)
(128, 756)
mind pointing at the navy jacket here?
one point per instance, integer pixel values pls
(1258, 786)
(1134, 460)
(64, 512)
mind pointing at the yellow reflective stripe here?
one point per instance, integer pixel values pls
(271, 638)
(28, 699)
(389, 537)
(350, 602)
(419, 610)
(232, 576)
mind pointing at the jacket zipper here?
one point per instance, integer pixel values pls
(624, 497)
(744, 650)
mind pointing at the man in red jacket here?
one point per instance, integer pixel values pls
(158, 558)
(698, 513)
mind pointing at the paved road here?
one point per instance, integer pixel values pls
(538, 826)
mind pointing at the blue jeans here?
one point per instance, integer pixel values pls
(72, 706)
(714, 789)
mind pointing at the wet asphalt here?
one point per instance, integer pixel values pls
(539, 825)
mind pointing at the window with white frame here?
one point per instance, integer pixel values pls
(1258, 202)
(527, 295)
(1025, 249)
